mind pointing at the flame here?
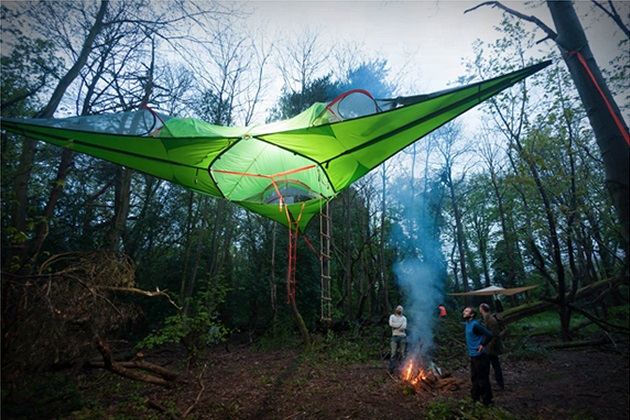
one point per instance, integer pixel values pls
(414, 375)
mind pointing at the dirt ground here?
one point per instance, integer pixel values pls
(245, 383)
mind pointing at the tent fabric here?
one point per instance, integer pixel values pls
(494, 290)
(286, 167)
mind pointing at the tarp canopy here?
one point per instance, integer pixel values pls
(283, 170)
(494, 290)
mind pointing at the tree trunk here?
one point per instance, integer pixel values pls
(299, 321)
(347, 252)
(459, 231)
(31, 251)
(123, 175)
(122, 193)
(273, 288)
(197, 262)
(20, 210)
(381, 250)
(601, 108)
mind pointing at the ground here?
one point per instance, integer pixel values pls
(243, 382)
(240, 382)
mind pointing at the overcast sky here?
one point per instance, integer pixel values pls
(434, 34)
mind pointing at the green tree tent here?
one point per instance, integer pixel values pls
(283, 170)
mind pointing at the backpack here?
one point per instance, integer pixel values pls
(501, 323)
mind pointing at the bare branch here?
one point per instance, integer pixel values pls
(551, 34)
(137, 291)
(613, 14)
(202, 388)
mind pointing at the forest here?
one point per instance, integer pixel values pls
(127, 296)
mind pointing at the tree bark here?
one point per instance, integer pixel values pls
(299, 321)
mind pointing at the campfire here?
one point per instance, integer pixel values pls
(428, 377)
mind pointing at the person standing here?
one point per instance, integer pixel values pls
(495, 347)
(442, 312)
(398, 322)
(477, 339)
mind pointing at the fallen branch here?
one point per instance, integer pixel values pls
(576, 344)
(140, 364)
(202, 388)
(157, 406)
(602, 324)
(137, 291)
(110, 364)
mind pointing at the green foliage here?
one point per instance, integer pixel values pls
(27, 70)
(447, 409)
(544, 323)
(524, 349)
(359, 345)
(292, 103)
(620, 315)
(280, 336)
(200, 327)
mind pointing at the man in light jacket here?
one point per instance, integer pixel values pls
(398, 322)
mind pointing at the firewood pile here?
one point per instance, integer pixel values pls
(450, 384)
(429, 382)
(431, 379)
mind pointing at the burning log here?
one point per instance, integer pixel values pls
(430, 378)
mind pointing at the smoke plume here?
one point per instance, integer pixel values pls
(419, 270)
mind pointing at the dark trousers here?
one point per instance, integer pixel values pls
(398, 351)
(480, 377)
(498, 373)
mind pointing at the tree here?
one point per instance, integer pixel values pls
(447, 137)
(27, 254)
(508, 262)
(608, 124)
(550, 157)
(90, 35)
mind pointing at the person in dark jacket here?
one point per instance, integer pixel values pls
(495, 347)
(477, 339)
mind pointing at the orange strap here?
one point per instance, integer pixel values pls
(624, 133)
(271, 178)
(311, 246)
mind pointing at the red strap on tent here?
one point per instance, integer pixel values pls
(156, 115)
(270, 177)
(624, 133)
(292, 171)
(312, 247)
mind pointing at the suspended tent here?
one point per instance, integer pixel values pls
(297, 163)
(286, 170)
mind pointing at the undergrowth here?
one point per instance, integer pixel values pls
(454, 409)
